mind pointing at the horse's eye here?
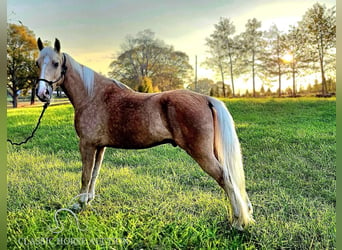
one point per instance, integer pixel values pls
(37, 64)
(55, 64)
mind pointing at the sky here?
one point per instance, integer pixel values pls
(92, 31)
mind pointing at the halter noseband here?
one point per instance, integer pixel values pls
(63, 72)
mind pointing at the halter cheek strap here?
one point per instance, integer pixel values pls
(63, 72)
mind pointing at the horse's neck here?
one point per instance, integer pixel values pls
(73, 86)
(80, 95)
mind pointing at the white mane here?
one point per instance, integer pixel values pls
(86, 74)
(121, 85)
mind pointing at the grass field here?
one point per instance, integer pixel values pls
(159, 198)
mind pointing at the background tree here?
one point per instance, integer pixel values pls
(319, 27)
(216, 60)
(297, 60)
(174, 71)
(224, 31)
(145, 56)
(273, 56)
(146, 85)
(204, 86)
(252, 47)
(216, 90)
(21, 54)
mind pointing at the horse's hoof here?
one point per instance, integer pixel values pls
(76, 208)
(236, 224)
(238, 227)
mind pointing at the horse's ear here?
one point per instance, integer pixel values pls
(40, 44)
(57, 46)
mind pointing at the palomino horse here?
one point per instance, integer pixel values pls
(110, 114)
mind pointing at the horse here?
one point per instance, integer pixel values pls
(107, 113)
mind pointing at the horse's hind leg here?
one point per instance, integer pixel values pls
(213, 167)
(201, 149)
(98, 161)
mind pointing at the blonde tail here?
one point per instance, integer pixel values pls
(228, 152)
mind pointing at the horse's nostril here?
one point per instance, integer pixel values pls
(47, 92)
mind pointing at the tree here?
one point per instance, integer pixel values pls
(174, 70)
(145, 56)
(224, 52)
(319, 27)
(262, 91)
(268, 92)
(252, 47)
(273, 56)
(204, 86)
(146, 85)
(216, 61)
(217, 91)
(21, 54)
(289, 91)
(224, 30)
(295, 45)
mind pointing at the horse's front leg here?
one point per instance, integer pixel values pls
(98, 161)
(88, 159)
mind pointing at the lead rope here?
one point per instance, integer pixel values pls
(34, 130)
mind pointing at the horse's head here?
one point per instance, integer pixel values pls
(51, 64)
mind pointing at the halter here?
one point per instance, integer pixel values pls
(63, 72)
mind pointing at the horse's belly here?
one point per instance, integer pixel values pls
(140, 135)
(138, 141)
(138, 145)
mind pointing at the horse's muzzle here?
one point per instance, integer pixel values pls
(45, 94)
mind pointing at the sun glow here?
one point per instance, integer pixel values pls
(288, 58)
(205, 73)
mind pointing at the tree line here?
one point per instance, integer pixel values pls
(308, 47)
(148, 64)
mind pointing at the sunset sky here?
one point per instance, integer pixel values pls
(92, 31)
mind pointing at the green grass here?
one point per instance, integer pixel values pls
(159, 198)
